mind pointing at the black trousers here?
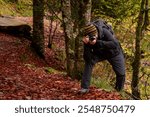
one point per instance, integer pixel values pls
(118, 65)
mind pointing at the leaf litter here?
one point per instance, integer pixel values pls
(24, 76)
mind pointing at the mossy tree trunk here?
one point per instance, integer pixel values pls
(82, 17)
(38, 27)
(137, 57)
(75, 13)
(69, 40)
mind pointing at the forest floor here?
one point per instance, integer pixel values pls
(24, 76)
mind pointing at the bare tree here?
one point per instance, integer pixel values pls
(141, 26)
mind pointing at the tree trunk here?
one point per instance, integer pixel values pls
(75, 14)
(137, 59)
(38, 27)
(84, 16)
(68, 31)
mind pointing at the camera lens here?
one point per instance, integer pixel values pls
(91, 37)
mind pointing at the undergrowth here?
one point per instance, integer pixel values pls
(21, 8)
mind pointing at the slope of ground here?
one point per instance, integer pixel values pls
(24, 76)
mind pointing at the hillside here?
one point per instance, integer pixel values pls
(22, 8)
(24, 76)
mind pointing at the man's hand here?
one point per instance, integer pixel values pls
(92, 42)
(86, 41)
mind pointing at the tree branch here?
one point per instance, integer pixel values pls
(53, 11)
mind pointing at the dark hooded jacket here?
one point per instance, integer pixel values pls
(107, 46)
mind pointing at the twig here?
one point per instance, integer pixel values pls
(53, 11)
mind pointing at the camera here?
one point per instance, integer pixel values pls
(91, 37)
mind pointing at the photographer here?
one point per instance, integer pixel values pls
(100, 44)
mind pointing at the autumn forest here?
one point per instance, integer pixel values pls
(41, 49)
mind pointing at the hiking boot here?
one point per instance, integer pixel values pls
(83, 91)
(118, 88)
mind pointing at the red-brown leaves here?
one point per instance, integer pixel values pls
(23, 75)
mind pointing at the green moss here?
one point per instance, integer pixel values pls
(6, 8)
(102, 83)
(51, 70)
(22, 8)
